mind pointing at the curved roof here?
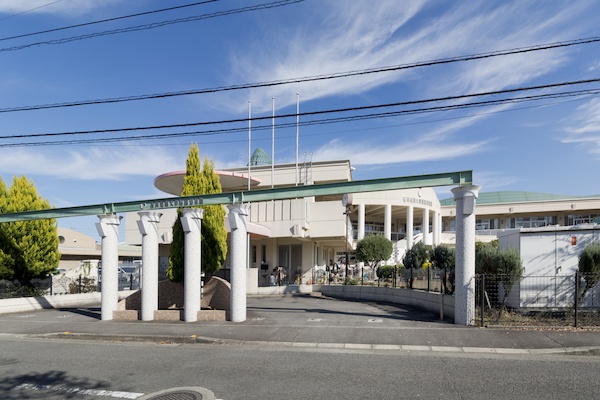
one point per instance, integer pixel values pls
(172, 182)
(516, 197)
(259, 157)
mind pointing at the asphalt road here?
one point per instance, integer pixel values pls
(42, 368)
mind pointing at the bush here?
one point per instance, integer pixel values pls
(88, 285)
(589, 265)
(352, 281)
(386, 272)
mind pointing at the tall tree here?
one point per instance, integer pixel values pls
(29, 248)
(6, 261)
(444, 258)
(416, 256)
(589, 266)
(213, 234)
(373, 249)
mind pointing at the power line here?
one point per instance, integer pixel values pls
(336, 75)
(186, 143)
(154, 25)
(330, 111)
(101, 21)
(30, 10)
(310, 122)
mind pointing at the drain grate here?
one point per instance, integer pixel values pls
(187, 393)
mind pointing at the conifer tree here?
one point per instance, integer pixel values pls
(29, 248)
(213, 234)
(6, 261)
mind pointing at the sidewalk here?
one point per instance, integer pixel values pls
(308, 321)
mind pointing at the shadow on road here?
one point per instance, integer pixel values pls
(41, 385)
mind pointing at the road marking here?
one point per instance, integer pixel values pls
(88, 392)
(315, 319)
(375, 320)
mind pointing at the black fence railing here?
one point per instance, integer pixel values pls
(549, 300)
(65, 284)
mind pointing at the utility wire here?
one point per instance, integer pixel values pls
(30, 10)
(102, 20)
(154, 25)
(305, 79)
(338, 110)
(304, 123)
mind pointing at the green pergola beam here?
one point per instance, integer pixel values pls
(460, 178)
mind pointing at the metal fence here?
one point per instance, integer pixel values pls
(429, 279)
(129, 279)
(31, 288)
(549, 300)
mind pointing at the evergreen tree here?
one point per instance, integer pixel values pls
(373, 249)
(6, 261)
(213, 233)
(589, 266)
(29, 248)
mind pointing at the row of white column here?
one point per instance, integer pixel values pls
(191, 222)
(465, 198)
(387, 225)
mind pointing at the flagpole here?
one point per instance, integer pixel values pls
(249, 138)
(273, 145)
(297, 121)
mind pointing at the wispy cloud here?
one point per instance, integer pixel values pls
(364, 153)
(352, 36)
(96, 163)
(57, 7)
(583, 127)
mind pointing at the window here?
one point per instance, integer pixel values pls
(581, 219)
(531, 222)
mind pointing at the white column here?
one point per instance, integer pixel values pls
(237, 223)
(425, 226)
(108, 229)
(465, 198)
(361, 221)
(409, 226)
(148, 227)
(440, 228)
(191, 222)
(387, 222)
(436, 228)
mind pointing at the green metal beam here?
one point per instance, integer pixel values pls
(460, 178)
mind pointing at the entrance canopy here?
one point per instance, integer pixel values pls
(461, 178)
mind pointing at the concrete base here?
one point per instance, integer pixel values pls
(170, 315)
(126, 315)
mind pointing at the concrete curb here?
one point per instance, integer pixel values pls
(193, 339)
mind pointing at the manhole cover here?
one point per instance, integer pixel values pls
(188, 393)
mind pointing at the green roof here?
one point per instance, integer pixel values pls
(515, 197)
(259, 157)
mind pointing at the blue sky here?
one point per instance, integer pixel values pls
(551, 146)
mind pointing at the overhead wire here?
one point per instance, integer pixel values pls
(102, 20)
(305, 122)
(153, 25)
(30, 10)
(313, 78)
(318, 112)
